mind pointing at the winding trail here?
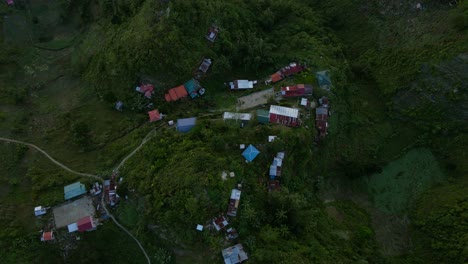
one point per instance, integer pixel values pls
(96, 177)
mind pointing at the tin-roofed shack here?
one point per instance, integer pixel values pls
(284, 115)
(234, 202)
(234, 254)
(212, 34)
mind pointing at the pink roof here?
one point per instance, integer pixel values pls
(85, 224)
(10, 2)
(147, 89)
(154, 115)
(48, 236)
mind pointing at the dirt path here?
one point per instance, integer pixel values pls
(96, 177)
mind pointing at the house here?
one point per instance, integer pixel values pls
(234, 202)
(284, 115)
(95, 189)
(323, 79)
(47, 236)
(110, 190)
(175, 93)
(39, 210)
(146, 89)
(243, 117)
(275, 167)
(291, 69)
(199, 227)
(86, 224)
(263, 116)
(250, 153)
(154, 115)
(194, 88)
(186, 124)
(242, 84)
(204, 65)
(296, 90)
(220, 222)
(72, 227)
(234, 254)
(321, 120)
(73, 190)
(212, 34)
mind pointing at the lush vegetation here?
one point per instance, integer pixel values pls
(397, 132)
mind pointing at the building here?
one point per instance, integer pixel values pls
(110, 191)
(250, 153)
(176, 93)
(263, 116)
(186, 124)
(212, 34)
(275, 172)
(321, 120)
(39, 210)
(244, 118)
(242, 84)
(220, 222)
(204, 65)
(95, 189)
(154, 115)
(47, 236)
(146, 89)
(73, 190)
(291, 69)
(234, 254)
(296, 90)
(234, 202)
(86, 224)
(194, 88)
(284, 115)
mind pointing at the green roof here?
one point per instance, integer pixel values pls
(74, 190)
(263, 116)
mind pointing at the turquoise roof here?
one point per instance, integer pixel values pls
(250, 153)
(192, 88)
(74, 190)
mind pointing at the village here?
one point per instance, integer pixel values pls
(82, 211)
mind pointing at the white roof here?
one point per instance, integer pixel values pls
(242, 146)
(72, 228)
(271, 138)
(284, 111)
(241, 116)
(304, 101)
(241, 84)
(38, 208)
(235, 194)
(199, 227)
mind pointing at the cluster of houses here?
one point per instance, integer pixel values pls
(78, 213)
(275, 172)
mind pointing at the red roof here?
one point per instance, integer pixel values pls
(296, 90)
(48, 236)
(291, 69)
(154, 115)
(147, 89)
(85, 224)
(276, 77)
(176, 93)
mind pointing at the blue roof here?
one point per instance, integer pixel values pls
(250, 153)
(192, 87)
(74, 190)
(185, 124)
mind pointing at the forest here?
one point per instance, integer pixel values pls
(387, 184)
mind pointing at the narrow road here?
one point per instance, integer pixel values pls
(96, 177)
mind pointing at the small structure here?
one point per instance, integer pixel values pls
(175, 93)
(204, 65)
(186, 124)
(243, 117)
(296, 90)
(39, 210)
(146, 89)
(234, 254)
(291, 69)
(95, 189)
(220, 222)
(10, 2)
(284, 115)
(232, 174)
(321, 120)
(212, 34)
(73, 190)
(263, 116)
(234, 202)
(232, 233)
(250, 153)
(110, 190)
(275, 172)
(47, 236)
(72, 227)
(323, 79)
(119, 106)
(86, 224)
(199, 227)
(271, 138)
(242, 84)
(154, 115)
(194, 88)
(242, 146)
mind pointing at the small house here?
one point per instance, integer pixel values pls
(250, 153)
(47, 236)
(291, 69)
(73, 190)
(234, 254)
(154, 115)
(39, 210)
(212, 34)
(234, 202)
(146, 89)
(244, 118)
(284, 115)
(204, 65)
(72, 227)
(175, 93)
(194, 88)
(220, 222)
(263, 116)
(321, 120)
(110, 191)
(296, 90)
(242, 84)
(199, 227)
(186, 124)
(86, 224)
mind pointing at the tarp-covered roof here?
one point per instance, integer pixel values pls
(250, 153)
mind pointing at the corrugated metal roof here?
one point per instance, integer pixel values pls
(73, 190)
(185, 124)
(235, 194)
(284, 111)
(241, 116)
